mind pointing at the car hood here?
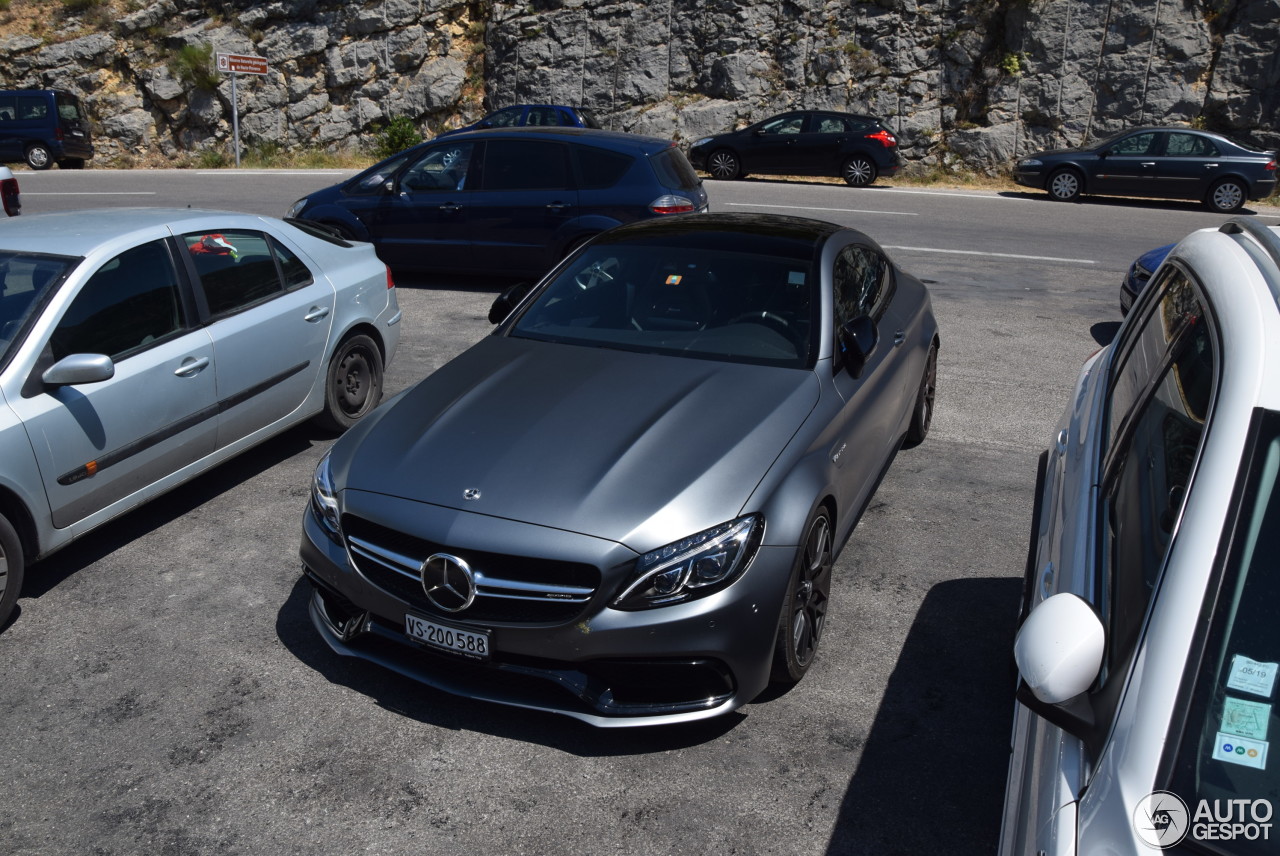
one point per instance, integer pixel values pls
(637, 448)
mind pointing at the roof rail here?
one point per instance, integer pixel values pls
(1269, 240)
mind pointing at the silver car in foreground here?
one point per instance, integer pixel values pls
(1149, 652)
(139, 348)
(624, 505)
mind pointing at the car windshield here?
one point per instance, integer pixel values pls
(25, 280)
(1224, 771)
(721, 304)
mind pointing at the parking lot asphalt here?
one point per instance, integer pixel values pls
(162, 690)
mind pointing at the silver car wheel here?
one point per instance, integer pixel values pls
(1064, 185)
(804, 614)
(1227, 196)
(11, 567)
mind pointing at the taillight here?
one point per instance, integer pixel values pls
(671, 204)
(884, 138)
(57, 133)
(1271, 167)
(391, 283)
(9, 194)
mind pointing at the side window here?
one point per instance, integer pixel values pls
(441, 168)
(296, 274)
(525, 165)
(129, 303)
(8, 108)
(236, 269)
(1135, 146)
(599, 168)
(860, 277)
(829, 125)
(784, 125)
(543, 116)
(1149, 468)
(1190, 145)
(506, 118)
(32, 107)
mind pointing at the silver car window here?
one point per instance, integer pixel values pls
(236, 269)
(128, 304)
(25, 280)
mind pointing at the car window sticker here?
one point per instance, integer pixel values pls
(1245, 718)
(1251, 676)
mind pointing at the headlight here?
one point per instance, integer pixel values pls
(694, 566)
(1030, 162)
(324, 500)
(296, 208)
(702, 142)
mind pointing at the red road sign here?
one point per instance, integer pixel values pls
(242, 64)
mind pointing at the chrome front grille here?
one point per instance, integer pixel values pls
(509, 589)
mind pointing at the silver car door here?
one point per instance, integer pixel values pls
(99, 442)
(270, 315)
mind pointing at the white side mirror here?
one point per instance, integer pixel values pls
(1059, 648)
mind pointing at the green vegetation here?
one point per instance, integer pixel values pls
(399, 134)
(193, 65)
(1013, 64)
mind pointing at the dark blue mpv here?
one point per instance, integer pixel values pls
(506, 201)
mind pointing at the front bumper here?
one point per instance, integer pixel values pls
(603, 666)
(1029, 178)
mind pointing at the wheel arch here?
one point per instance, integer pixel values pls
(15, 510)
(1069, 165)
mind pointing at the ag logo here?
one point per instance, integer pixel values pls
(1161, 820)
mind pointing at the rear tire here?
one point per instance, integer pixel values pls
(1226, 196)
(353, 383)
(859, 171)
(804, 607)
(12, 565)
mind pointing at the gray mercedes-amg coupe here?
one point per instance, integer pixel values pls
(625, 503)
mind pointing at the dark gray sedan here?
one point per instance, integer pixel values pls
(1165, 163)
(624, 505)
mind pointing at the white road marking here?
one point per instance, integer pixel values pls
(992, 255)
(812, 208)
(88, 193)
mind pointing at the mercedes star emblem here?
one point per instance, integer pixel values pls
(471, 493)
(448, 582)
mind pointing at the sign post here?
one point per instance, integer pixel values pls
(238, 63)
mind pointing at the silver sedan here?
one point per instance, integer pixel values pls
(139, 348)
(624, 505)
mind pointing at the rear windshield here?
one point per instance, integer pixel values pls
(1225, 771)
(26, 279)
(674, 169)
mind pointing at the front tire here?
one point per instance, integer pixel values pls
(804, 608)
(12, 565)
(1065, 185)
(1226, 196)
(724, 165)
(922, 415)
(859, 171)
(39, 156)
(353, 383)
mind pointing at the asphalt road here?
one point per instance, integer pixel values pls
(162, 690)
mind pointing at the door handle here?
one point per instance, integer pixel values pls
(1211, 166)
(450, 207)
(557, 206)
(1148, 163)
(191, 366)
(317, 313)
(899, 337)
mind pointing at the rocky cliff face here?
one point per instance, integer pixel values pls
(965, 83)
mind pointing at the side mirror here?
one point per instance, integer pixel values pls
(507, 301)
(389, 186)
(1059, 648)
(856, 340)
(79, 368)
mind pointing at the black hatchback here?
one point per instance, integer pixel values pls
(804, 142)
(1165, 163)
(511, 201)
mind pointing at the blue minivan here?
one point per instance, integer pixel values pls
(509, 201)
(43, 127)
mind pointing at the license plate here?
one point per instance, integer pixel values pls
(467, 643)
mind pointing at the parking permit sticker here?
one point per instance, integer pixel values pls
(674, 279)
(1240, 750)
(1250, 676)
(1245, 718)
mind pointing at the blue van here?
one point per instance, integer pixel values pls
(43, 127)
